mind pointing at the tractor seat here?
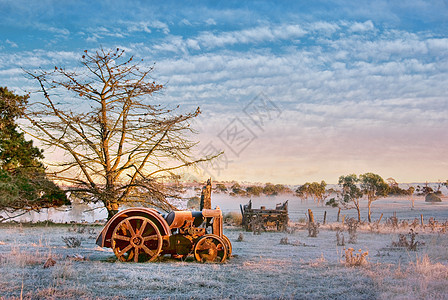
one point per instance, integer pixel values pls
(169, 217)
(177, 219)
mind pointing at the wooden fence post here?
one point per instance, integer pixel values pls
(310, 216)
(379, 220)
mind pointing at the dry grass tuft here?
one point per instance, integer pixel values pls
(233, 218)
(420, 279)
(318, 262)
(21, 258)
(355, 259)
(72, 241)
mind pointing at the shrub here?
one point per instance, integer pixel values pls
(355, 259)
(194, 203)
(313, 229)
(233, 218)
(404, 243)
(352, 228)
(340, 238)
(72, 242)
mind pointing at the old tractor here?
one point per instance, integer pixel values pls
(143, 234)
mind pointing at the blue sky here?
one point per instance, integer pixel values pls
(314, 89)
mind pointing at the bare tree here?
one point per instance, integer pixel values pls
(121, 144)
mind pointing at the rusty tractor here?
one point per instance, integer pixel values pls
(143, 234)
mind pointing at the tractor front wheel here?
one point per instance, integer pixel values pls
(210, 248)
(228, 245)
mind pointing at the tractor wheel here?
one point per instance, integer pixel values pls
(210, 248)
(228, 245)
(136, 239)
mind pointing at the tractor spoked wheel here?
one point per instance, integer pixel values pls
(136, 239)
(228, 245)
(210, 248)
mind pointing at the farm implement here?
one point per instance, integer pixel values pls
(143, 234)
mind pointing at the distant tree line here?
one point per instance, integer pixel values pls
(268, 189)
(367, 186)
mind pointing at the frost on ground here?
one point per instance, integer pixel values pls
(263, 268)
(271, 265)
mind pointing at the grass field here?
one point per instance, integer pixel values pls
(262, 268)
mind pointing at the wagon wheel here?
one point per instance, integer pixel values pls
(210, 248)
(136, 239)
(228, 245)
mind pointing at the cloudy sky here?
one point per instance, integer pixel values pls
(292, 91)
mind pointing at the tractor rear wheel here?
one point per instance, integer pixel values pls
(210, 248)
(136, 239)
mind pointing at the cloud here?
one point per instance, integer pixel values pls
(94, 34)
(59, 31)
(355, 104)
(139, 27)
(161, 25)
(362, 27)
(210, 21)
(322, 27)
(209, 40)
(352, 93)
(185, 22)
(12, 44)
(252, 35)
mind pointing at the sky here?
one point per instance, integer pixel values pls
(291, 91)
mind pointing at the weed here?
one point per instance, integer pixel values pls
(415, 223)
(302, 220)
(404, 243)
(392, 222)
(19, 258)
(49, 263)
(340, 238)
(374, 227)
(233, 218)
(72, 242)
(352, 225)
(355, 259)
(313, 229)
(318, 261)
(432, 223)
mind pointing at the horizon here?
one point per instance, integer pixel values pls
(292, 92)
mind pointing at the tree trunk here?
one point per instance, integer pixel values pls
(370, 219)
(112, 209)
(358, 209)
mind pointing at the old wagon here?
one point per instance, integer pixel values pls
(265, 219)
(143, 234)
